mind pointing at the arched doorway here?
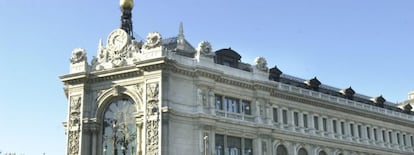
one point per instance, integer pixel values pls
(119, 129)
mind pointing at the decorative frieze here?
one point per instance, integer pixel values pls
(73, 138)
(74, 125)
(152, 119)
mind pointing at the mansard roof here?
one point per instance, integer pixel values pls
(172, 44)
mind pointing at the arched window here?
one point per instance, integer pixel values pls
(281, 150)
(322, 153)
(302, 151)
(119, 128)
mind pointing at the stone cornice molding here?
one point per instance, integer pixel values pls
(272, 88)
(167, 65)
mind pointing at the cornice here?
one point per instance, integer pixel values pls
(166, 65)
(272, 88)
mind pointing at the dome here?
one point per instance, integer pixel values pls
(126, 4)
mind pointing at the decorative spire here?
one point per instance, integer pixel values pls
(181, 31)
(180, 37)
(126, 17)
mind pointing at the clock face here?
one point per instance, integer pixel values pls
(118, 39)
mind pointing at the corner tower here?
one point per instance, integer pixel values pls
(114, 101)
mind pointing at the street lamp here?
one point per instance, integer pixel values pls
(205, 144)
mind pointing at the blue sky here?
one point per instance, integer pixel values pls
(366, 44)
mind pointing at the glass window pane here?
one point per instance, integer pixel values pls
(296, 118)
(302, 151)
(305, 120)
(275, 115)
(316, 122)
(119, 128)
(247, 109)
(281, 150)
(219, 102)
(248, 146)
(324, 123)
(232, 104)
(233, 145)
(284, 113)
(219, 144)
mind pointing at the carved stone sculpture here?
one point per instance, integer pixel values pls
(261, 64)
(153, 118)
(204, 47)
(73, 143)
(74, 124)
(153, 40)
(78, 55)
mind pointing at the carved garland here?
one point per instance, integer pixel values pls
(153, 118)
(74, 125)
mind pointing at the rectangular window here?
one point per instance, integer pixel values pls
(359, 131)
(248, 146)
(230, 145)
(390, 136)
(398, 138)
(219, 102)
(335, 128)
(232, 104)
(296, 118)
(383, 135)
(316, 122)
(219, 144)
(343, 128)
(375, 135)
(404, 141)
(324, 124)
(305, 120)
(284, 116)
(247, 108)
(233, 145)
(351, 127)
(412, 141)
(275, 115)
(368, 133)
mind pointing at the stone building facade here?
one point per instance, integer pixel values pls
(163, 96)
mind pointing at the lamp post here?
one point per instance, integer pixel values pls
(205, 144)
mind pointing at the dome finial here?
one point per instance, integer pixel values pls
(126, 17)
(126, 4)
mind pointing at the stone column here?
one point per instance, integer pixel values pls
(355, 131)
(94, 139)
(291, 125)
(339, 129)
(348, 135)
(320, 121)
(268, 113)
(364, 136)
(212, 101)
(394, 140)
(311, 124)
(280, 117)
(300, 119)
(330, 126)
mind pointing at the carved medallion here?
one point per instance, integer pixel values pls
(78, 55)
(153, 40)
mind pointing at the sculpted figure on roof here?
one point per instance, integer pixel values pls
(261, 64)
